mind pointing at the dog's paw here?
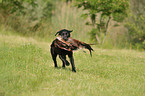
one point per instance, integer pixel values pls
(73, 70)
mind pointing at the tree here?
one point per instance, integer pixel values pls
(25, 16)
(136, 25)
(106, 11)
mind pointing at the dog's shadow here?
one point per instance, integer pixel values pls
(62, 68)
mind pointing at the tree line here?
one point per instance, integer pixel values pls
(31, 16)
(26, 16)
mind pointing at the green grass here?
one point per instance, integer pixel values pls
(26, 69)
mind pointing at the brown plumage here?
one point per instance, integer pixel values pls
(71, 44)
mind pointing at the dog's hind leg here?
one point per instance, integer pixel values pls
(64, 61)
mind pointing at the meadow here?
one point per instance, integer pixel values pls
(26, 66)
(26, 69)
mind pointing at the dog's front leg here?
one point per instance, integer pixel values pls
(72, 61)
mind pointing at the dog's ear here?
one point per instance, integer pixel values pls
(70, 31)
(62, 31)
(57, 33)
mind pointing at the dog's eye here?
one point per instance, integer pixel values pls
(64, 34)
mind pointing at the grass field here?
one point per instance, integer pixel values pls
(26, 69)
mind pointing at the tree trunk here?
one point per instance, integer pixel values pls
(99, 28)
(106, 31)
(97, 37)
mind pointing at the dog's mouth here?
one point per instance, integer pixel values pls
(65, 35)
(65, 38)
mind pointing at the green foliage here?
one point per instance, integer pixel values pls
(26, 16)
(43, 18)
(107, 7)
(136, 25)
(93, 34)
(105, 10)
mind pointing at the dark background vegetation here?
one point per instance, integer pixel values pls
(109, 24)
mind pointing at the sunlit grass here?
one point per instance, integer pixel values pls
(26, 69)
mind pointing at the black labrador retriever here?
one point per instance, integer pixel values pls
(64, 45)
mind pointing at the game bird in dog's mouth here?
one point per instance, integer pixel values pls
(65, 45)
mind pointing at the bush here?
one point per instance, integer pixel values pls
(136, 26)
(26, 16)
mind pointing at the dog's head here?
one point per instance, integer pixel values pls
(65, 34)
